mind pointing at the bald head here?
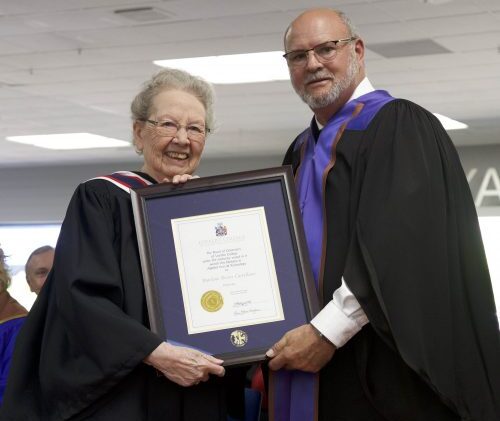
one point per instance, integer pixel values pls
(327, 63)
(322, 17)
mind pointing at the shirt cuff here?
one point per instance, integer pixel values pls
(337, 326)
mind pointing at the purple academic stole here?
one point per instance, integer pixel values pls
(294, 394)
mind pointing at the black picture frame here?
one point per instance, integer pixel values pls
(273, 188)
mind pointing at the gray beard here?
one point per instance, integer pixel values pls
(339, 86)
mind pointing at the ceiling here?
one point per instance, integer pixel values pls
(75, 65)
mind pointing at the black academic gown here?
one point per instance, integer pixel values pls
(79, 355)
(402, 229)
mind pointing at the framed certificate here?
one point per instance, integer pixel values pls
(224, 262)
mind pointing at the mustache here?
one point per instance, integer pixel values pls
(322, 74)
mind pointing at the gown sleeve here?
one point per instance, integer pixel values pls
(83, 324)
(416, 261)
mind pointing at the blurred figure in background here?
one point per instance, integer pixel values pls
(38, 267)
(12, 315)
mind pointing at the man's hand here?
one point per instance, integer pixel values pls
(184, 366)
(301, 349)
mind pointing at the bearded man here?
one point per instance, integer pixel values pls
(408, 329)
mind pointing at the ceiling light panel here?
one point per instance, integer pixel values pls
(69, 141)
(234, 68)
(450, 124)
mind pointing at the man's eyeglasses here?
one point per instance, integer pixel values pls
(324, 52)
(170, 128)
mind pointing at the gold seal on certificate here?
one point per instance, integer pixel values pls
(212, 301)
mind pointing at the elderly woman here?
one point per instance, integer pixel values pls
(86, 351)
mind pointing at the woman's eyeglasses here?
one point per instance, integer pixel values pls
(170, 128)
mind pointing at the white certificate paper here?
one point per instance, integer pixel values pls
(226, 269)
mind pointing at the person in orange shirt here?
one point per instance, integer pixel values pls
(12, 315)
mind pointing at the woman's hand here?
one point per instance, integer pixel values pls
(179, 178)
(184, 366)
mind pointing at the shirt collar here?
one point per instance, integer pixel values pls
(363, 88)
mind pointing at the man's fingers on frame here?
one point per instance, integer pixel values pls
(277, 363)
(275, 349)
(278, 346)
